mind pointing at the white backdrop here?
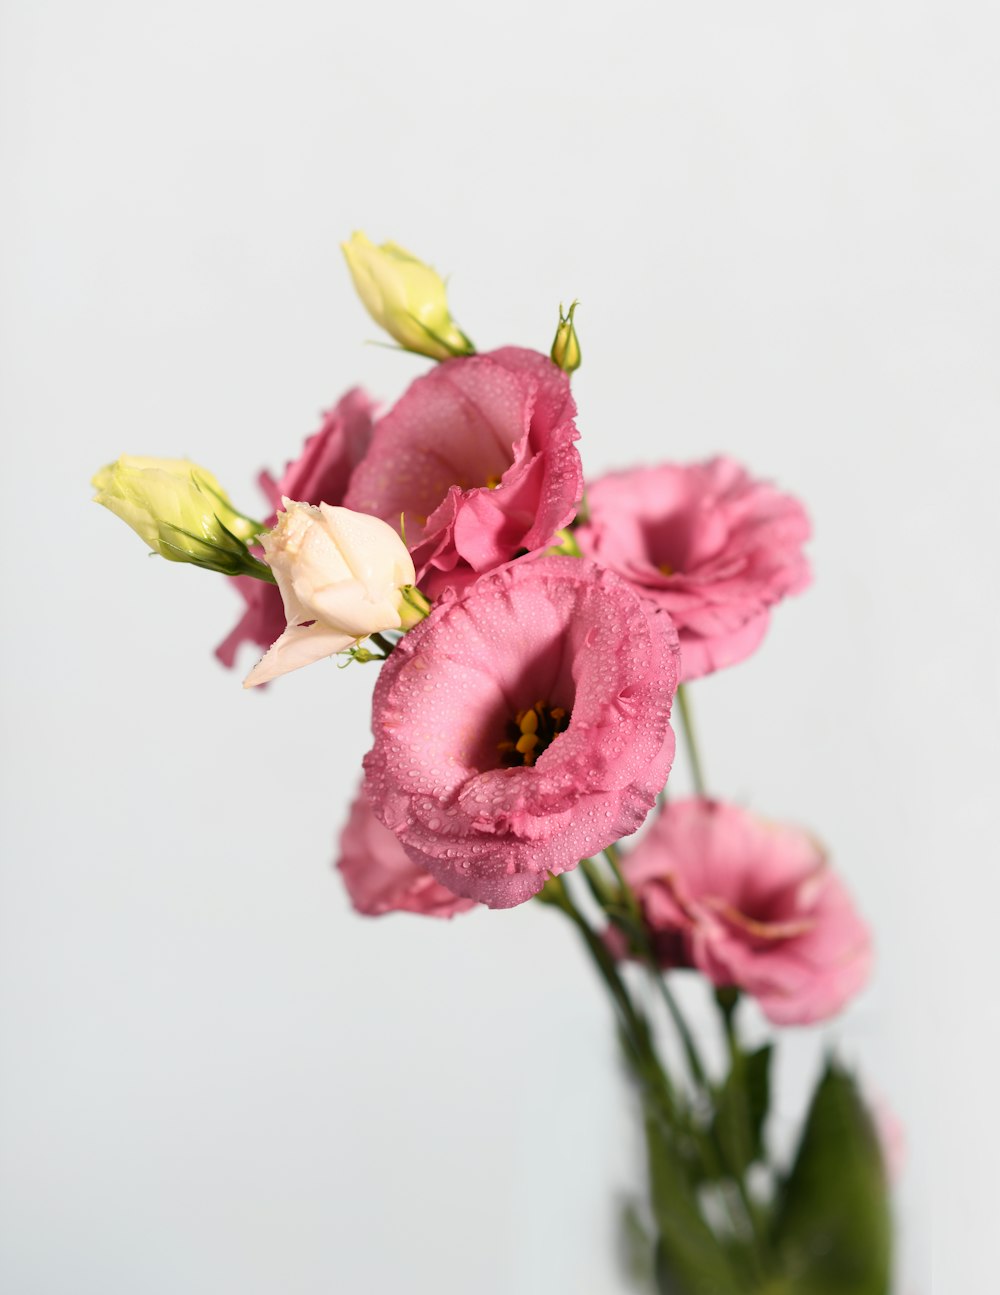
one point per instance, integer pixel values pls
(779, 216)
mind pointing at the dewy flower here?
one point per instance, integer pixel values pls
(478, 459)
(180, 510)
(318, 476)
(712, 546)
(523, 726)
(752, 905)
(342, 576)
(405, 297)
(381, 877)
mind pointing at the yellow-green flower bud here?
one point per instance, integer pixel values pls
(405, 297)
(181, 512)
(566, 346)
(413, 608)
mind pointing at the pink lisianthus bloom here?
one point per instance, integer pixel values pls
(318, 476)
(752, 905)
(523, 726)
(706, 542)
(478, 460)
(379, 875)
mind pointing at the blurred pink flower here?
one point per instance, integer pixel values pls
(318, 476)
(706, 542)
(381, 878)
(523, 726)
(750, 904)
(478, 458)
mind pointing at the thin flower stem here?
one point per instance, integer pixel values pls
(381, 642)
(687, 724)
(645, 1064)
(710, 1143)
(676, 1015)
(604, 962)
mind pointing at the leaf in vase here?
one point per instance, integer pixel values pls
(833, 1229)
(690, 1258)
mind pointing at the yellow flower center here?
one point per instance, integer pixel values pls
(530, 732)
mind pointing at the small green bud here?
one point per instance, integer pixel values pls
(566, 346)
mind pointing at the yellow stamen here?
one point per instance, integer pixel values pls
(665, 569)
(492, 482)
(529, 722)
(526, 743)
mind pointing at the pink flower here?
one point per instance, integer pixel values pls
(478, 458)
(523, 726)
(706, 542)
(750, 904)
(381, 878)
(318, 476)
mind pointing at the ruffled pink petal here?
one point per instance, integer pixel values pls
(261, 623)
(704, 655)
(381, 878)
(751, 904)
(712, 546)
(478, 459)
(553, 629)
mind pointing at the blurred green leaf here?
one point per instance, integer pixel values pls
(833, 1230)
(690, 1259)
(742, 1107)
(636, 1246)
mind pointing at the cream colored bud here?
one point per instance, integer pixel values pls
(179, 509)
(342, 576)
(405, 297)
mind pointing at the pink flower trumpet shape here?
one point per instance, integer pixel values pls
(522, 726)
(382, 878)
(318, 476)
(751, 904)
(476, 463)
(706, 542)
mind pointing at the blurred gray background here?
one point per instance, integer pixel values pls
(779, 217)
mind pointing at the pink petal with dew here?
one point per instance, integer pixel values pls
(381, 878)
(555, 629)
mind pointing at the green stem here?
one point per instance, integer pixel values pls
(649, 957)
(727, 1000)
(381, 642)
(710, 1144)
(604, 962)
(687, 724)
(645, 1063)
